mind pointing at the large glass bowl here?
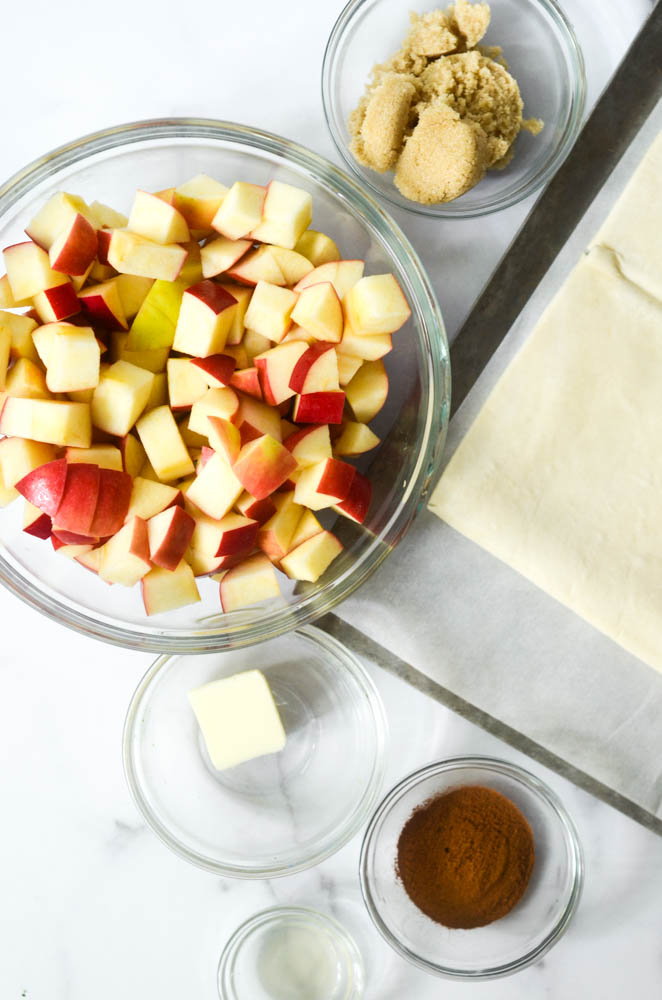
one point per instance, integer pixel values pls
(543, 55)
(109, 166)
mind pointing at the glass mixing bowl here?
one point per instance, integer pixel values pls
(108, 166)
(521, 937)
(543, 55)
(279, 813)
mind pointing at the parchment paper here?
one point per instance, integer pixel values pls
(498, 649)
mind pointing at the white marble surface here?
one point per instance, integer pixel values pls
(91, 905)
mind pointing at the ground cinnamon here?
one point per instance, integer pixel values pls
(465, 857)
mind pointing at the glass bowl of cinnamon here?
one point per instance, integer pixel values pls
(471, 868)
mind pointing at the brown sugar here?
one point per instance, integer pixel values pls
(400, 122)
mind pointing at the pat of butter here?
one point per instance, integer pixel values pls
(238, 718)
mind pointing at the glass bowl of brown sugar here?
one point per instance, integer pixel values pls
(491, 858)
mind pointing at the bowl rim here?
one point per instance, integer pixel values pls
(533, 784)
(224, 631)
(343, 659)
(274, 914)
(455, 210)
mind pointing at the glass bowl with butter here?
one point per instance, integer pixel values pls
(439, 122)
(257, 763)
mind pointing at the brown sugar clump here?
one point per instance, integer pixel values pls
(400, 122)
(380, 132)
(442, 158)
(481, 91)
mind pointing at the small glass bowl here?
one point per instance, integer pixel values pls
(543, 55)
(261, 953)
(277, 814)
(521, 937)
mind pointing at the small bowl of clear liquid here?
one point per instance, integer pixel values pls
(291, 953)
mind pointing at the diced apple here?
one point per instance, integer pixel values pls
(263, 465)
(324, 484)
(253, 344)
(125, 557)
(58, 302)
(242, 294)
(307, 527)
(163, 444)
(35, 522)
(199, 200)
(252, 581)
(133, 291)
(149, 498)
(159, 392)
(156, 220)
(19, 457)
(191, 438)
(286, 213)
(293, 265)
(216, 370)
(169, 534)
(55, 216)
(120, 397)
(215, 403)
(206, 565)
(343, 275)
(247, 380)
(258, 265)
(319, 408)
(234, 534)
(355, 439)
(309, 445)
(316, 370)
(216, 487)
(317, 247)
(205, 318)
(270, 310)
(70, 551)
(27, 380)
(115, 489)
(20, 330)
(225, 438)
(129, 253)
(97, 273)
(5, 351)
(163, 590)
(90, 560)
(312, 558)
(276, 369)
(319, 312)
(254, 419)
(257, 510)
(44, 486)
(221, 255)
(297, 332)
(105, 216)
(368, 390)
(51, 420)
(151, 360)
(133, 454)
(186, 383)
(366, 348)
(357, 502)
(73, 358)
(240, 210)
(7, 300)
(79, 499)
(376, 305)
(106, 456)
(28, 270)
(75, 247)
(103, 304)
(275, 535)
(156, 320)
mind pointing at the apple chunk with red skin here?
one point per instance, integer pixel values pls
(253, 580)
(113, 503)
(319, 408)
(231, 535)
(149, 498)
(286, 213)
(310, 445)
(221, 255)
(316, 370)
(310, 559)
(257, 510)
(376, 305)
(125, 557)
(258, 265)
(318, 310)
(204, 321)
(164, 590)
(240, 210)
(57, 302)
(275, 535)
(324, 484)
(169, 535)
(263, 465)
(130, 253)
(79, 500)
(54, 421)
(357, 502)
(247, 380)
(44, 486)
(35, 522)
(254, 419)
(74, 249)
(103, 304)
(215, 488)
(270, 310)
(217, 369)
(29, 270)
(276, 368)
(368, 390)
(154, 219)
(225, 438)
